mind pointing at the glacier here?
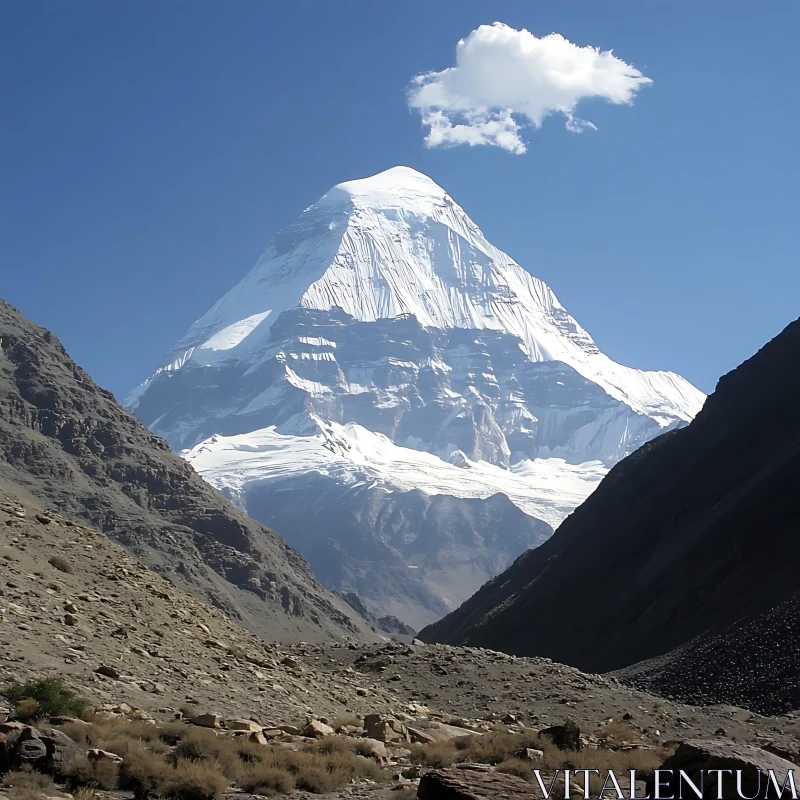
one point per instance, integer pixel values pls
(383, 352)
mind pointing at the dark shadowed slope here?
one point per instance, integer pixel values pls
(686, 544)
(67, 442)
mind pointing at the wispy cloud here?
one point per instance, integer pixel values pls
(505, 80)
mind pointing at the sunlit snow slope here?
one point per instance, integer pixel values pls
(381, 342)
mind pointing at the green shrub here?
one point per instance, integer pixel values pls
(54, 698)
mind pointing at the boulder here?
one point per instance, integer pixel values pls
(61, 720)
(61, 752)
(474, 785)
(385, 729)
(317, 729)
(46, 750)
(531, 753)
(11, 726)
(372, 748)
(564, 737)
(292, 730)
(207, 720)
(28, 750)
(96, 754)
(696, 756)
(108, 671)
(243, 725)
(425, 730)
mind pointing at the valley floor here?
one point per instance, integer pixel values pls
(76, 605)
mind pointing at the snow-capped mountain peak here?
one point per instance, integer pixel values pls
(398, 187)
(381, 345)
(396, 244)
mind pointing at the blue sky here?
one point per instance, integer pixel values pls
(150, 150)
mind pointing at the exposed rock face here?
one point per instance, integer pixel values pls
(388, 624)
(474, 785)
(689, 543)
(410, 555)
(762, 774)
(383, 344)
(67, 442)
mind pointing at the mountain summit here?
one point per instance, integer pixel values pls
(385, 385)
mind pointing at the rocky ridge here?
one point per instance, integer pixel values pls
(694, 539)
(65, 441)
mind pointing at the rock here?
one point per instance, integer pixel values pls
(474, 785)
(292, 730)
(207, 720)
(28, 750)
(697, 755)
(361, 692)
(46, 750)
(318, 729)
(412, 773)
(109, 672)
(425, 730)
(96, 754)
(11, 726)
(564, 737)
(385, 729)
(243, 725)
(531, 753)
(257, 737)
(417, 736)
(60, 720)
(372, 748)
(61, 752)
(153, 687)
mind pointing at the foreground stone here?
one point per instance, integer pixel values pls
(474, 785)
(695, 757)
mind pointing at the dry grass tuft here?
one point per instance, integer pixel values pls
(100, 774)
(197, 780)
(504, 749)
(340, 721)
(262, 778)
(516, 766)
(24, 784)
(144, 773)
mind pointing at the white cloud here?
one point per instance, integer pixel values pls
(505, 79)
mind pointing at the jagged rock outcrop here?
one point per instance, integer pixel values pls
(67, 442)
(686, 555)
